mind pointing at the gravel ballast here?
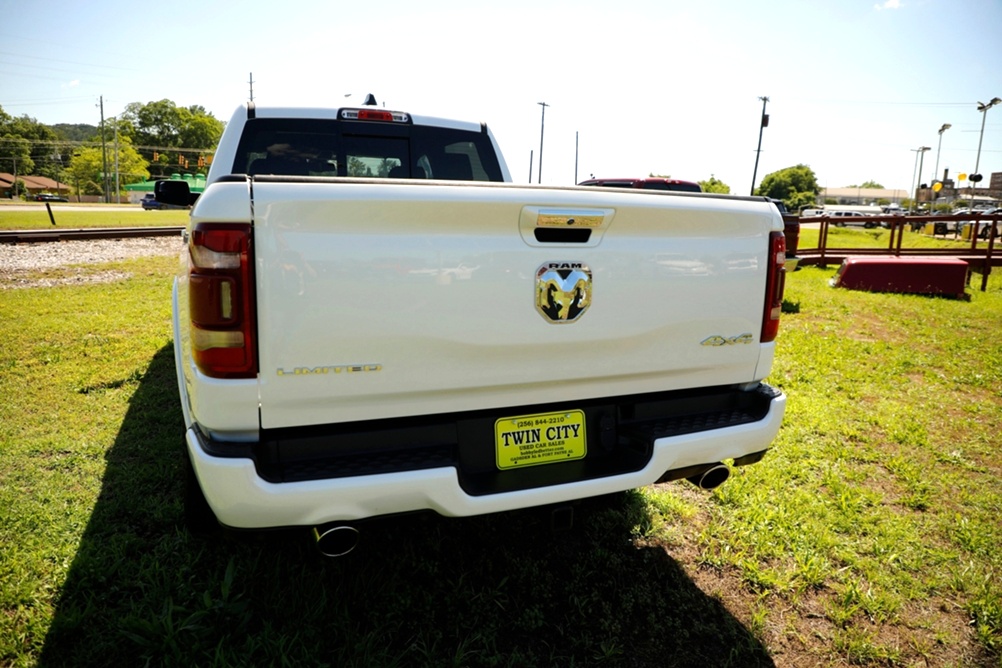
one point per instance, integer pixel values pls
(19, 261)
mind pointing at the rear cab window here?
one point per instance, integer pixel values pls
(672, 185)
(311, 147)
(653, 183)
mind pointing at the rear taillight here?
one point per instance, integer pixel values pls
(775, 282)
(221, 300)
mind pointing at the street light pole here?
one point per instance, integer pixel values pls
(542, 122)
(939, 147)
(935, 170)
(761, 127)
(983, 108)
(916, 173)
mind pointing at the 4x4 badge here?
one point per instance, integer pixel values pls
(717, 341)
(563, 291)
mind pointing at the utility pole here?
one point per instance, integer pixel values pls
(542, 122)
(576, 133)
(118, 187)
(104, 156)
(530, 166)
(251, 82)
(761, 127)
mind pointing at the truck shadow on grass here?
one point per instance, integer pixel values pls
(503, 590)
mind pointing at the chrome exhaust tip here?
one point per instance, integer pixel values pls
(711, 478)
(335, 540)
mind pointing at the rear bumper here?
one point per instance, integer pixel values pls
(247, 489)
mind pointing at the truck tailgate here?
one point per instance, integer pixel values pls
(385, 299)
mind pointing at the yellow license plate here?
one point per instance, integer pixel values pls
(545, 438)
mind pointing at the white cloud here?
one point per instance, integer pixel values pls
(889, 4)
(72, 84)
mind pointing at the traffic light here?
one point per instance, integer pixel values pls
(201, 161)
(180, 159)
(156, 157)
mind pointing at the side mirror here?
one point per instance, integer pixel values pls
(174, 192)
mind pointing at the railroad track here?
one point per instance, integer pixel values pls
(56, 234)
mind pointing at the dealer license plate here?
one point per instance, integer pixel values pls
(545, 438)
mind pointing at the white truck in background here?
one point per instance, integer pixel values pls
(370, 319)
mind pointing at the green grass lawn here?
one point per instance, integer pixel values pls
(869, 536)
(76, 217)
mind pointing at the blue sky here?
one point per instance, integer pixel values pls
(635, 87)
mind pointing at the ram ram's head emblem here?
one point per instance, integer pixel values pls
(563, 291)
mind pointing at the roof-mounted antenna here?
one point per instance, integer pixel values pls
(370, 101)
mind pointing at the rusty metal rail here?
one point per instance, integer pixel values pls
(980, 254)
(43, 235)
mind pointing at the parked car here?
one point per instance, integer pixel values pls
(149, 201)
(49, 197)
(852, 218)
(984, 226)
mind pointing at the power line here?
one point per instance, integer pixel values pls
(894, 103)
(75, 63)
(88, 143)
(63, 100)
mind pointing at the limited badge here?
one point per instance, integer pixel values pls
(563, 290)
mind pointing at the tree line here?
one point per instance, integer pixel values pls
(148, 140)
(157, 139)
(796, 186)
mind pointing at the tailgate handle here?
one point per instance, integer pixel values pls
(582, 226)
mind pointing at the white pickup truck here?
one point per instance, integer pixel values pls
(369, 320)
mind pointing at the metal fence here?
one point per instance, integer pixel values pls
(979, 231)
